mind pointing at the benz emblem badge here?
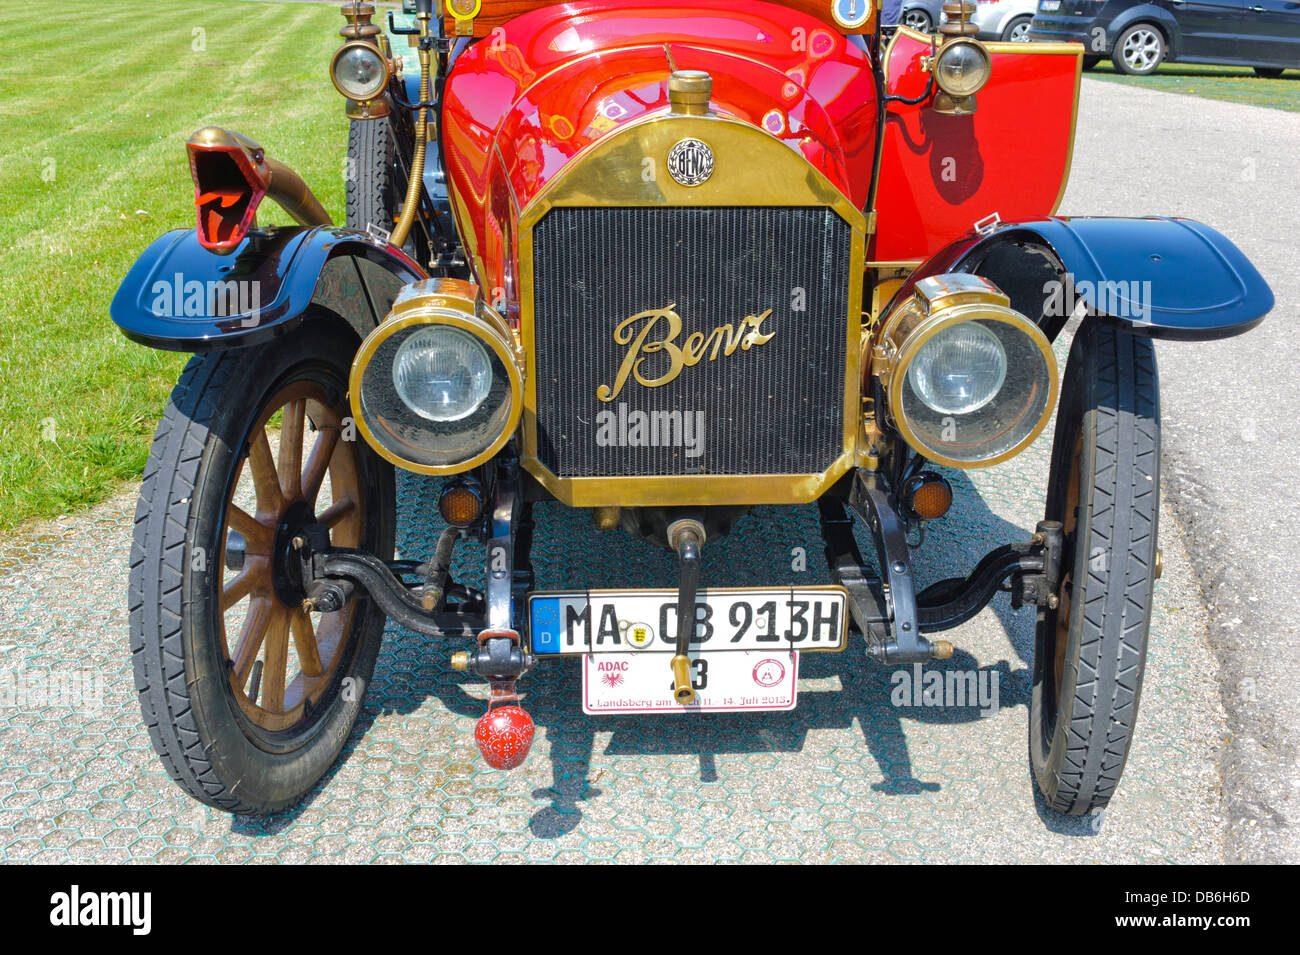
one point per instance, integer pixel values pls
(690, 162)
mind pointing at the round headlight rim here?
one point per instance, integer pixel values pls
(973, 44)
(369, 48)
(475, 326)
(917, 337)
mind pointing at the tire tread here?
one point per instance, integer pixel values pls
(1117, 591)
(157, 578)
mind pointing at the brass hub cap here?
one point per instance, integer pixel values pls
(296, 471)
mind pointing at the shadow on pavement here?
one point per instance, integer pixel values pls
(765, 548)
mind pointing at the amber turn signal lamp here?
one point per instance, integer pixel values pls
(461, 503)
(927, 496)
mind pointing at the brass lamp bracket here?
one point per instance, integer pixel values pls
(359, 27)
(958, 24)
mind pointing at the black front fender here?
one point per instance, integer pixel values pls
(1166, 278)
(181, 297)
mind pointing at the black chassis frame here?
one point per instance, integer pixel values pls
(884, 605)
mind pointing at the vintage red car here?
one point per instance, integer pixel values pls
(665, 262)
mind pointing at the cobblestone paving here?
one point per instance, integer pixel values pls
(845, 777)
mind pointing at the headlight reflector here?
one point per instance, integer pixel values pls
(442, 373)
(969, 382)
(359, 71)
(959, 370)
(962, 68)
(437, 388)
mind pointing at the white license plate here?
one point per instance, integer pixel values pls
(1050, 6)
(730, 619)
(737, 682)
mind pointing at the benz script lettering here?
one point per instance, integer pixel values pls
(656, 330)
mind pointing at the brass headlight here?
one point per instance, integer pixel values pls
(962, 67)
(962, 64)
(360, 71)
(438, 388)
(969, 382)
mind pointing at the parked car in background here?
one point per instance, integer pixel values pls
(1003, 19)
(1138, 37)
(924, 16)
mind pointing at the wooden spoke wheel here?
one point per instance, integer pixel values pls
(249, 695)
(283, 657)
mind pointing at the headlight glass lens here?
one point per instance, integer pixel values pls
(976, 391)
(959, 370)
(962, 70)
(360, 72)
(442, 373)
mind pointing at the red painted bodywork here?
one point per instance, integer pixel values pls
(522, 103)
(939, 175)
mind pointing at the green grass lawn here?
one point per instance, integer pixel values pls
(1232, 83)
(96, 102)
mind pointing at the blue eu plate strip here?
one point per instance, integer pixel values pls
(546, 629)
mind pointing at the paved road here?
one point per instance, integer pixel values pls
(848, 776)
(1231, 412)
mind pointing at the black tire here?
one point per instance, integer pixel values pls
(1090, 651)
(1269, 72)
(1017, 25)
(1091, 61)
(209, 745)
(376, 177)
(1146, 37)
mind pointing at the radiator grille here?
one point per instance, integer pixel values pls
(776, 408)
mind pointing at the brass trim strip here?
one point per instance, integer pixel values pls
(743, 489)
(1074, 123)
(909, 264)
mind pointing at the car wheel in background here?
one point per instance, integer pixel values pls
(1139, 50)
(1017, 31)
(917, 20)
(1272, 72)
(376, 179)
